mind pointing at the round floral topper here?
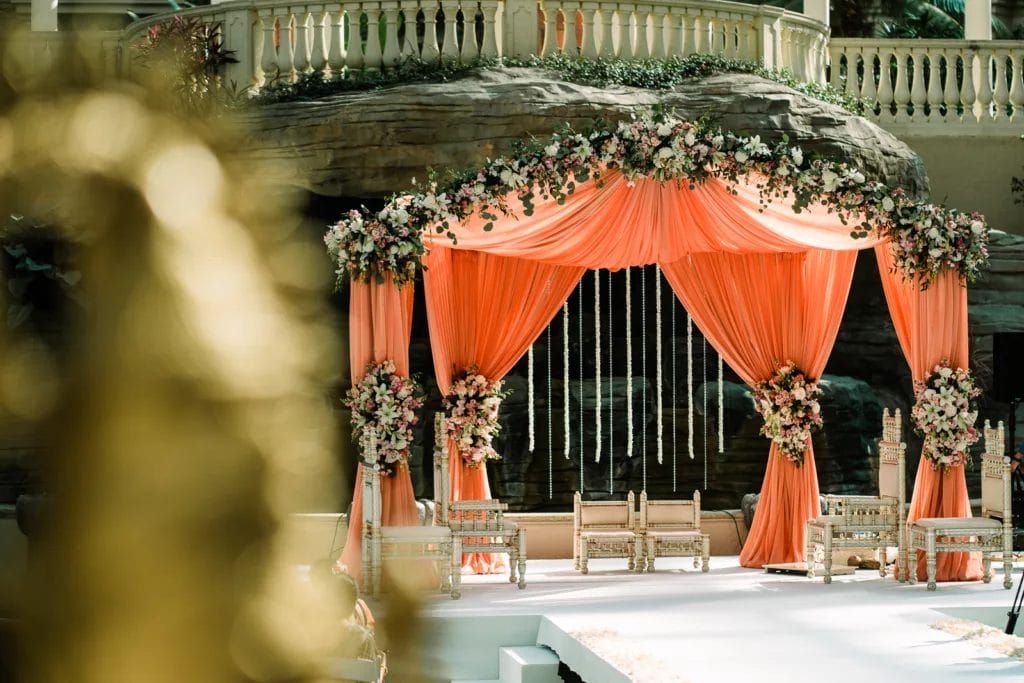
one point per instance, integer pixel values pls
(788, 402)
(926, 239)
(383, 405)
(471, 415)
(944, 414)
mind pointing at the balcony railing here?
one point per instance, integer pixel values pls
(950, 83)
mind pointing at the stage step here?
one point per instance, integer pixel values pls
(528, 664)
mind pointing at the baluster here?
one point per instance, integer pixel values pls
(284, 48)
(335, 54)
(468, 49)
(658, 46)
(490, 44)
(1001, 96)
(1017, 85)
(885, 91)
(449, 48)
(983, 109)
(674, 40)
(589, 49)
(354, 59)
(642, 49)
(373, 57)
(607, 43)
(408, 45)
(691, 33)
(918, 94)
(902, 91)
(390, 53)
(935, 97)
(626, 31)
(300, 58)
(835, 58)
(951, 90)
(968, 96)
(852, 86)
(730, 34)
(572, 34)
(749, 42)
(868, 89)
(431, 51)
(550, 29)
(268, 60)
(317, 54)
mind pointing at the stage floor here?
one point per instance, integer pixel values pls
(738, 624)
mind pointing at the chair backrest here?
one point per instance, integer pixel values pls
(477, 515)
(604, 514)
(892, 466)
(995, 475)
(892, 426)
(670, 514)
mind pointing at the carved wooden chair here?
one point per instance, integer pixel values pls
(479, 525)
(867, 521)
(395, 544)
(605, 528)
(671, 528)
(989, 533)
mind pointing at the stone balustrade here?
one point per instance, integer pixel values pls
(950, 83)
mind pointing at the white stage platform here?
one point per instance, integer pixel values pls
(738, 624)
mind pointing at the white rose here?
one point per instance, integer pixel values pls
(888, 204)
(690, 139)
(552, 149)
(741, 156)
(977, 227)
(664, 129)
(797, 154)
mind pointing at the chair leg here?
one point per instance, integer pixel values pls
(521, 554)
(1008, 565)
(583, 556)
(827, 559)
(929, 544)
(456, 560)
(649, 553)
(809, 554)
(986, 566)
(705, 549)
(513, 561)
(632, 564)
(880, 556)
(912, 564)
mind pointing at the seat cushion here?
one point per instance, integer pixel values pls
(608, 535)
(940, 523)
(674, 534)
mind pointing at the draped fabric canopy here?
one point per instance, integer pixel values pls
(765, 284)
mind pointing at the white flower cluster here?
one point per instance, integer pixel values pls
(383, 405)
(471, 415)
(944, 414)
(788, 402)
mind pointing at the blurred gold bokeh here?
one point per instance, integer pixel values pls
(187, 414)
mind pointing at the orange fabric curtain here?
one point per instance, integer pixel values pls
(931, 326)
(380, 326)
(759, 311)
(486, 310)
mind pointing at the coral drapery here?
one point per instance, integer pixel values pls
(619, 225)
(486, 310)
(380, 326)
(931, 326)
(759, 311)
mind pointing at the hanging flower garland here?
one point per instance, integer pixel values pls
(383, 405)
(944, 413)
(926, 239)
(788, 402)
(471, 415)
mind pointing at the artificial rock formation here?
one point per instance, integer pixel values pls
(373, 143)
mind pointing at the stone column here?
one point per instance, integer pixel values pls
(817, 9)
(978, 20)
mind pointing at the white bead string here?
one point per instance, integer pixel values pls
(657, 362)
(629, 363)
(704, 403)
(689, 385)
(529, 398)
(643, 372)
(597, 363)
(674, 403)
(611, 389)
(565, 377)
(721, 406)
(551, 467)
(579, 351)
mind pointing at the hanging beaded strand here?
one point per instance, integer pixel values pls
(565, 377)
(643, 371)
(579, 322)
(629, 363)
(611, 387)
(551, 465)
(704, 404)
(689, 385)
(721, 406)
(674, 403)
(529, 398)
(597, 364)
(657, 361)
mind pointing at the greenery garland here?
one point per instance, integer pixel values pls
(926, 239)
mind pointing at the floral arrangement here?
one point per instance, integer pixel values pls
(471, 415)
(788, 402)
(927, 238)
(944, 414)
(383, 405)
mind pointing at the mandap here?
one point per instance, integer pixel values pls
(728, 219)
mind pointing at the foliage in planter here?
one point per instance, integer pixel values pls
(34, 269)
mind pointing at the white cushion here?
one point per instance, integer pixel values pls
(958, 523)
